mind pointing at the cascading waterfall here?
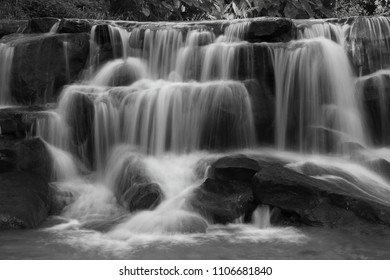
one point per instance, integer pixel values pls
(328, 30)
(6, 58)
(316, 108)
(169, 98)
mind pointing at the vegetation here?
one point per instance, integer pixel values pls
(154, 10)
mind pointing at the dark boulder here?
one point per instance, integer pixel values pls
(23, 200)
(11, 26)
(33, 156)
(59, 199)
(41, 25)
(7, 160)
(235, 168)
(132, 186)
(223, 201)
(310, 201)
(74, 26)
(143, 197)
(44, 63)
(268, 29)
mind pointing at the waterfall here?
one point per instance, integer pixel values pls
(328, 30)
(316, 108)
(6, 59)
(155, 102)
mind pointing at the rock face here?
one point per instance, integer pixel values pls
(310, 201)
(271, 30)
(41, 25)
(11, 26)
(43, 64)
(143, 196)
(33, 156)
(23, 200)
(133, 188)
(227, 195)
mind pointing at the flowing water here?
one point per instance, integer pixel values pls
(6, 57)
(173, 100)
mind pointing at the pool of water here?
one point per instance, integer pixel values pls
(220, 242)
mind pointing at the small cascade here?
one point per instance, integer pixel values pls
(370, 42)
(160, 51)
(6, 59)
(236, 31)
(55, 27)
(120, 72)
(54, 130)
(374, 89)
(328, 30)
(65, 45)
(261, 217)
(64, 167)
(316, 108)
(162, 116)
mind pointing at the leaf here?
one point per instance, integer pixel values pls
(236, 9)
(146, 12)
(259, 4)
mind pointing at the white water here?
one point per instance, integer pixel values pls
(6, 59)
(314, 99)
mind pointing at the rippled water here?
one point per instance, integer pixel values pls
(220, 242)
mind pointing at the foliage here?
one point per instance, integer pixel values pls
(217, 9)
(25, 9)
(347, 8)
(156, 10)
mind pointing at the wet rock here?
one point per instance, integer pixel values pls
(80, 118)
(133, 188)
(303, 199)
(39, 69)
(235, 168)
(143, 196)
(269, 29)
(223, 201)
(33, 156)
(11, 26)
(58, 199)
(17, 122)
(41, 25)
(74, 26)
(7, 160)
(23, 200)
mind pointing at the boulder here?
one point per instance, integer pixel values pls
(41, 25)
(236, 167)
(11, 26)
(59, 199)
(303, 199)
(132, 187)
(268, 29)
(74, 26)
(223, 202)
(44, 63)
(143, 197)
(17, 122)
(23, 200)
(33, 156)
(7, 160)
